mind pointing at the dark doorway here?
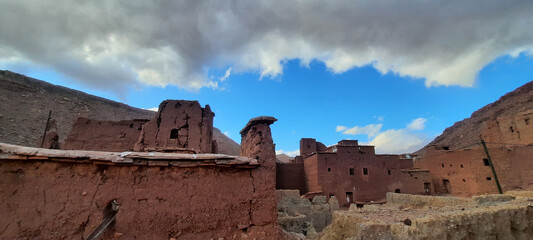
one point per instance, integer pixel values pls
(349, 198)
(426, 188)
(446, 186)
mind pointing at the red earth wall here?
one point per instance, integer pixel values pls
(112, 136)
(179, 124)
(468, 175)
(290, 176)
(66, 200)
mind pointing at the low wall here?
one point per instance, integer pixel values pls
(420, 200)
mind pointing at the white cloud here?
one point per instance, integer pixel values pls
(417, 124)
(370, 129)
(398, 141)
(123, 43)
(340, 128)
(226, 75)
(288, 153)
(226, 133)
(155, 109)
(404, 140)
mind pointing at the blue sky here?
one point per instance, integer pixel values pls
(393, 74)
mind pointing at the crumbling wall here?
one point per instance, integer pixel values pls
(489, 217)
(257, 144)
(178, 125)
(113, 136)
(299, 215)
(64, 195)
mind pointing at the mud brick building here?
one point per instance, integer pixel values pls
(180, 191)
(351, 172)
(467, 172)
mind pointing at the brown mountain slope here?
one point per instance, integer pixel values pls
(25, 102)
(503, 121)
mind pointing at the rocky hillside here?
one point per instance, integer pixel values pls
(25, 103)
(500, 121)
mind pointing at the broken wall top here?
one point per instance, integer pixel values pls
(178, 125)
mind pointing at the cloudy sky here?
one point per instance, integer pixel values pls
(393, 74)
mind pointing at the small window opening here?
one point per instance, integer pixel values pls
(351, 171)
(511, 128)
(174, 133)
(486, 162)
(388, 171)
(397, 190)
(489, 178)
(461, 165)
(527, 121)
(442, 165)
(450, 165)
(131, 125)
(464, 180)
(329, 169)
(331, 195)
(365, 171)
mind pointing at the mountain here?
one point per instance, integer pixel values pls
(505, 121)
(25, 103)
(284, 158)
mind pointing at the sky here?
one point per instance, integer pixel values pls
(393, 74)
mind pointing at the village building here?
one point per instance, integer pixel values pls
(171, 187)
(351, 172)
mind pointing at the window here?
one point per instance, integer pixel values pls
(351, 171)
(511, 128)
(349, 197)
(388, 171)
(486, 162)
(397, 190)
(365, 171)
(489, 178)
(174, 133)
(461, 165)
(442, 165)
(329, 169)
(464, 180)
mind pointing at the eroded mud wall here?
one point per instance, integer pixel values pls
(113, 136)
(54, 200)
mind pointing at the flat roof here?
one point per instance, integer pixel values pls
(22, 153)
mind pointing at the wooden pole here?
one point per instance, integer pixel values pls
(492, 167)
(46, 127)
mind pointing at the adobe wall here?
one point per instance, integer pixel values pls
(113, 136)
(63, 195)
(290, 176)
(467, 174)
(52, 200)
(179, 124)
(383, 175)
(329, 173)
